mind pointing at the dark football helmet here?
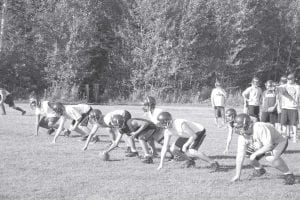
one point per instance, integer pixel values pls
(118, 121)
(164, 119)
(96, 115)
(230, 115)
(149, 103)
(57, 107)
(242, 123)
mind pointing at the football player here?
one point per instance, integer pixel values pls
(78, 114)
(218, 97)
(142, 129)
(269, 104)
(7, 97)
(230, 114)
(259, 140)
(45, 116)
(191, 136)
(105, 121)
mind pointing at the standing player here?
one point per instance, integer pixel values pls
(269, 104)
(45, 116)
(142, 129)
(258, 140)
(78, 114)
(7, 97)
(252, 97)
(289, 112)
(191, 136)
(218, 96)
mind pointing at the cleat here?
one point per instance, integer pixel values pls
(50, 131)
(23, 112)
(258, 172)
(148, 160)
(214, 167)
(289, 179)
(132, 154)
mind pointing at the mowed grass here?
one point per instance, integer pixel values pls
(33, 168)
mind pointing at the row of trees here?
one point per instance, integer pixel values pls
(131, 47)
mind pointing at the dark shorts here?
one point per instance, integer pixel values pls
(196, 144)
(152, 133)
(84, 120)
(47, 122)
(253, 111)
(219, 111)
(271, 117)
(9, 100)
(289, 117)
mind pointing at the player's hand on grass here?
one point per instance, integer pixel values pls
(159, 167)
(84, 148)
(235, 179)
(225, 151)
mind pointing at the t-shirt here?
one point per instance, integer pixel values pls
(254, 95)
(294, 91)
(75, 111)
(218, 96)
(178, 128)
(45, 110)
(269, 99)
(154, 114)
(108, 117)
(265, 134)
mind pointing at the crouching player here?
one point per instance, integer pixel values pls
(142, 129)
(258, 140)
(230, 114)
(191, 136)
(78, 114)
(45, 116)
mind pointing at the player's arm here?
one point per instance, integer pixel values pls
(91, 134)
(212, 96)
(167, 137)
(240, 156)
(60, 128)
(37, 124)
(187, 129)
(1, 97)
(245, 94)
(262, 151)
(114, 144)
(229, 138)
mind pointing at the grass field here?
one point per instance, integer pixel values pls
(33, 168)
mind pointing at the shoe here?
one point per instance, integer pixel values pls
(50, 131)
(128, 150)
(258, 172)
(214, 167)
(23, 112)
(188, 163)
(148, 160)
(289, 179)
(132, 154)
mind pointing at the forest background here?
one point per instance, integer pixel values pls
(174, 50)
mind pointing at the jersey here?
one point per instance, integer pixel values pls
(107, 118)
(269, 99)
(254, 95)
(178, 128)
(154, 114)
(45, 110)
(294, 91)
(218, 96)
(75, 112)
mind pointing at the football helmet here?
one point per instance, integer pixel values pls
(33, 103)
(164, 119)
(126, 115)
(230, 115)
(118, 121)
(95, 115)
(242, 123)
(57, 107)
(149, 103)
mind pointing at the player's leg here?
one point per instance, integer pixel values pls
(3, 109)
(131, 145)
(10, 101)
(293, 123)
(147, 159)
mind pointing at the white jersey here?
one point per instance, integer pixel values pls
(45, 110)
(254, 94)
(294, 91)
(75, 111)
(178, 128)
(218, 96)
(266, 134)
(107, 118)
(154, 114)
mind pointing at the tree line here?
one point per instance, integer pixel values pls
(131, 48)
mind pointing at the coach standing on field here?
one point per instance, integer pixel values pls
(252, 98)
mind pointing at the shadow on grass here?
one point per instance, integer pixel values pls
(291, 151)
(222, 157)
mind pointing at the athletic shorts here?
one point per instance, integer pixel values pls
(271, 117)
(152, 133)
(9, 100)
(289, 117)
(84, 119)
(46, 122)
(196, 144)
(219, 111)
(279, 118)
(253, 111)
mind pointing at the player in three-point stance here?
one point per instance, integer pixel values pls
(230, 114)
(257, 140)
(7, 97)
(191, 136)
